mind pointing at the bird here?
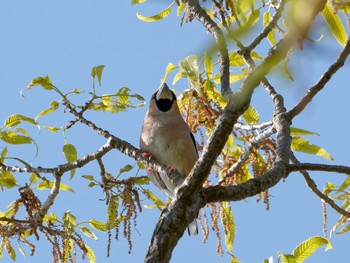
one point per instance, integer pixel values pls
(167, 137)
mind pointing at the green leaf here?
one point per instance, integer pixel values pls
(54, 106)
(233, 258)
(251, 116)
(92, 184)
(33, 178)
(214, 95)
(44, 82)
(97, 72)
(189, 69)
(177, 76)
(10, 251)
(335, 24)
(13, 138)
(133, 2)
(233, 77)
(236, 60)
(98, 225)
(16, 119)
(344, 185)
(168, 69)
(297, 131)
(156, 17)
(49, 184)
(90, 254)
(302, 145)
(52, 129)
(70, 152)
(7, 180)
(50, 218)
(271, 35)
(208, 65)
(308, 247)
(228, 225)
(180, 8)
(151, 196)
(112, 211)
(89, 177)
(3, 154)
(328, 188)
(87, 232)
(287, 258)
(344, 230)
(256, 55)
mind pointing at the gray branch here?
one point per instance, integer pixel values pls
(312, 92)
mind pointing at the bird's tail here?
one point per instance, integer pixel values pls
(193, 228)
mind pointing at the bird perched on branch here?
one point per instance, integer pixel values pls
(167, 137)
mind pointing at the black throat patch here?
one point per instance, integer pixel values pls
(164, 104)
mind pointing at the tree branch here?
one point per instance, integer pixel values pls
(243, 157)
(319, 167)
(339, 63)
(194, 7)
(312, 185)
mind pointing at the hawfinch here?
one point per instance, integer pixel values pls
(166, 136)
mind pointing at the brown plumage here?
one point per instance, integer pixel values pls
(166, 136)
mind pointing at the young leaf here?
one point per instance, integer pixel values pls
(49, 184)
(251, 116)
(51, 129)
(44, 82)
(133, 2)
(344, 185)
(3, 154)
(214, 95)
(156, 17)
(33, 178)
(90, 254)
(271, 35)
(228, 225)
(308, 247)
(297, 131)
(168, 69)
(16, 119)
(87, 232)
(335, 24)
(151, 196)
(89, 177)
(98, 225)
(50, 218)
(13, 138)
(287, 258)
(7, 180)
(208, 65)
(180, 8)
(97, 72)
(70, 152)
(54, 106)
(302, 145)
(236, 60)
(189, 69)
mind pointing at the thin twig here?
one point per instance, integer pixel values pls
(312, 185)
(244, 156)
(312, 92)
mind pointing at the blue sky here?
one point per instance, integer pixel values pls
(65, 39)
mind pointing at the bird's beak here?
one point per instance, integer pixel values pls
(164, 93)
